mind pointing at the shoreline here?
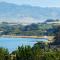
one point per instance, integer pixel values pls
(13, 36)
(49, 38)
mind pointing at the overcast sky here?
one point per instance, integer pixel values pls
(41, 3)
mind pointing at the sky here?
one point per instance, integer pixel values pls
(41, 3)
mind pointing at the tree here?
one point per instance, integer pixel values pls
(57, 37)
(4, 54)
(24, 53)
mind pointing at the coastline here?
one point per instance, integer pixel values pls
(50, 38)
(14, 36)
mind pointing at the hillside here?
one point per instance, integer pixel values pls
(25, 13)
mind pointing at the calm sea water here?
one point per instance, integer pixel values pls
(12, 43)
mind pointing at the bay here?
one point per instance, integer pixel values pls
(12, 43)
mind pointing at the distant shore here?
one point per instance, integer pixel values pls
(50, 38)
(13, 36)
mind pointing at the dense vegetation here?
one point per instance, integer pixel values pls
(38, 29)
(40, 51)
(57, 37)
(4, 54)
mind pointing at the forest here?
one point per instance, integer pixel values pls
(34, 29)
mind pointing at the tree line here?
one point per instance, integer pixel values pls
(39, 29)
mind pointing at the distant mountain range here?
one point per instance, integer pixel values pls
(26, 13)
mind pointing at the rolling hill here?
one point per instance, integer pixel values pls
(26, 13)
